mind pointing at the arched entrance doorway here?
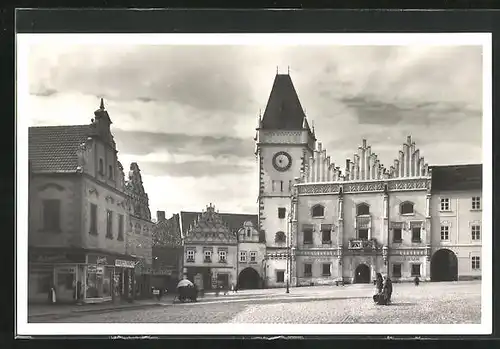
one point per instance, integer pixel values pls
(248, 279)
(444, 266)
(362, 274)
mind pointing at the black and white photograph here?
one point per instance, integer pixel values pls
(254, 184)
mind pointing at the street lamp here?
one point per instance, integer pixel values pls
(288, 266)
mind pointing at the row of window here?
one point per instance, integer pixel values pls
(109, 223)
(396, 268)
(279, 186)
(445, 204)
(52, 219)
(363, 233)
(475, 232)
(207, 256)
(405, 208)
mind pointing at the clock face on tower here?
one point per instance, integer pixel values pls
(282, 161)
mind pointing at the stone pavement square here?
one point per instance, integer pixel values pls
(439, 303)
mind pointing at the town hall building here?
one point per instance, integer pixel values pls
(323, 225)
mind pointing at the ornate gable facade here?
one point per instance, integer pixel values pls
(365, 173)
(209, 228)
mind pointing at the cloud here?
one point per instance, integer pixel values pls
(194, 169)
(187, 114)
(140, 142)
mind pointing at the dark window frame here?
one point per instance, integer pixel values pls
(399, 232)
(306, 272)
(329, 235)
(413, 230)
(101, 167)
(318, 214)
(278, 274)
(397, 269)
(109, 224)
(404, 205)
(94, 219)
(476, 263)
(413, 269)
(51, 215)
(281, 212)
(359, 233)
(475, 230)
(360, 212)
(323, 273)
(307, 241)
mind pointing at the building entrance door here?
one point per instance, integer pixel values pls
(223, 280)
(444, 266)
(362, 274)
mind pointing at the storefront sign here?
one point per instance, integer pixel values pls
(66, 270)
(55, 258)
(124, 264)
(102, 260)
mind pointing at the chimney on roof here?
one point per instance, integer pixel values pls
(160, 216)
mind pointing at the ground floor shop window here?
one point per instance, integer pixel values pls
(41, 279)
(98, 281)
(280, 276)
(66, 283)
(415, 270)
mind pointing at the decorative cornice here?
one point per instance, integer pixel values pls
(394, 185)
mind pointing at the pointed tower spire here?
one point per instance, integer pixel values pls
(283, 110)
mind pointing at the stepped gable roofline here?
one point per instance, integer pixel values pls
(457, 177)
(283, 110)
(53, 149)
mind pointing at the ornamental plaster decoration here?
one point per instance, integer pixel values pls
(51, 186)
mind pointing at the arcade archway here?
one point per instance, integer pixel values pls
(444, 266)
(362, 274)
(248, 279)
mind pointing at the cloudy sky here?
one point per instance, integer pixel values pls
(187, 114)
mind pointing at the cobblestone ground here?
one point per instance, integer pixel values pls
(429, 303)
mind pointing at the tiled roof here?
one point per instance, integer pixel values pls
(233, 220)
(283, 110)
(53, 148)
(457, 177)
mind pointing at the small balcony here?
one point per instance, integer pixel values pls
(362, 244)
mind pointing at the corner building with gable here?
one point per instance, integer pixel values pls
(323, 225)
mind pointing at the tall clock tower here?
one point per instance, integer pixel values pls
(284, 140)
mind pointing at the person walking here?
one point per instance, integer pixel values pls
(416, 281)
(379, 283)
